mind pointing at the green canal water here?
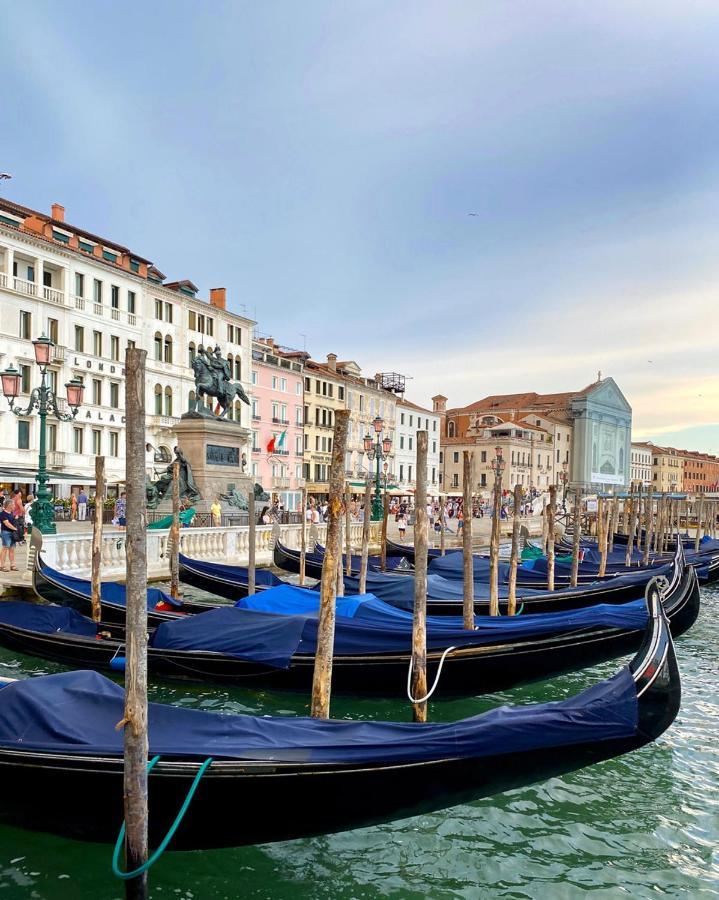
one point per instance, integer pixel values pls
(644, 825)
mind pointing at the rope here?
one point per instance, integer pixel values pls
(436, 680)
(170, 834)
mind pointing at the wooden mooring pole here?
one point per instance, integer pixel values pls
(494, 539)
(442, 502)
(96, 578)
(698, 535)
(551, 509)
(419, 617)
(303, 535)
(576, 535)
(135, 719)
(604, 513)
(649, 536)
(348, 531)
(366, 518)
(322, 678)
(175, 534)
(385, 516)
(251, 536)
(613, 521)
(467, 561)
(514, 557)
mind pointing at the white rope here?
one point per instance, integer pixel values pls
(436, 680)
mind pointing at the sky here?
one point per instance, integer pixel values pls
(487, 197)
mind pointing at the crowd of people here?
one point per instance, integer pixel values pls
(15, 521)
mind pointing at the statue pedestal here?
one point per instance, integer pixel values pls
(214, 449)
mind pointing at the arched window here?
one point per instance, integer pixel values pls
(158, 399)
(158, 346)
(168, 401)
(190, 353)
(168, 349)
(238, 411)
(450, 429)
(238, 369)
(230, 359)
(191, 401)
(162, 454)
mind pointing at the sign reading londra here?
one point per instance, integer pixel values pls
(222, 456)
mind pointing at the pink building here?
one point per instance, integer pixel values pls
(278, 420)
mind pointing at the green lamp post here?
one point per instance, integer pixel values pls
(378, 450)
(43, 399)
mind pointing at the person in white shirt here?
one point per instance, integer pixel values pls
(28, 510)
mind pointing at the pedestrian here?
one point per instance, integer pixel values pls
(460, 521)
(216, 512)
(401, 525)
(82, 505)
(18, 510)
(120, 511)
(28, 512)
(73, 506)
(8, 530)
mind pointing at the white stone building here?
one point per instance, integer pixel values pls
(640, 464)
(93, 298)
(410, 419)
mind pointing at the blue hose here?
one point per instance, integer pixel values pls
(170, 834)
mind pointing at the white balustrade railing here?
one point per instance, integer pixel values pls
(71, 551)
(53, 295)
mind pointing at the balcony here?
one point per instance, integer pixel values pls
(55, 459)
(164, 422)
(59, 353)
(97, 308)
(3, 280)
(280, 482)
(53, 295)
(256, 417)
(276, 421)
(115, 314)
(24, 287)
(79, 302)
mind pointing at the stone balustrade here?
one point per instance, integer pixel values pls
(70, 552)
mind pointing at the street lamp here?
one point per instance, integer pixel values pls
(43, 399)
(497, 465)
(377, 449)
(565, 482)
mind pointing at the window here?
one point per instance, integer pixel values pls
(97, 343)
(168, 401)
(97, 392)
(455, 456)
(200, 323)
(401, 442)
(410, 443)
(483, 456)
(298, 444)
(434, 425)
(299, 416)
(52, 330)
(191, 401)
(96, 441)
(298, 388)
(114, 296)
(255, 408)
(450, 429)
(254, 377)
(238, 369)
(401, 421)
(340, 393)
(191, 320)
(434, 448)
(158, 309)
(411, 419)
(210, 326)
(79, 285)
(114, 395)
(168, 312)
(24, 379)
(77, 440)
(131, 344)
(114, 443)
(114, 347)
(52, 378)
(51, 437)
(23, 435)
(79, 338)
(274, 382)
(190, 354)
(25, 325)
(131, 301)
(168, 349)
(283, 384)
(97, 290)
(158, 399)
(230, 334)
(455, 480)
(158, 346)
(307, 384)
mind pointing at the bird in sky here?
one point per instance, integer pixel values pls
(472, 214)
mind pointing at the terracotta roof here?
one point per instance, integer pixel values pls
(524, 402)
(402, 401)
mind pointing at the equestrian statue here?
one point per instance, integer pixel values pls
(213, 378)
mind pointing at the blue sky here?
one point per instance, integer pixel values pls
(320, 160)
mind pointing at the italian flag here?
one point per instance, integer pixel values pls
(276, 443)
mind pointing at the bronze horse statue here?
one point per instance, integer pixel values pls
(213, 379)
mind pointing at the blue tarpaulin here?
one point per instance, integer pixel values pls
(289, 599)
(77, 713)
(111, 591)
(46, 619)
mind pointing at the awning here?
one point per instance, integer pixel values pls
(29, 476)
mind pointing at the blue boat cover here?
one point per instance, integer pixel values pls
(235, 574)
(77, 713)
(46, 619)
(289, 600)
(111, 591)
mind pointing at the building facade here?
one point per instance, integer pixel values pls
(410, 419)
(640, 467)
(278, 421)
(324, 394)
(94, 298)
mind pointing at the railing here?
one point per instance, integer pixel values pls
(97, 308)
(72, 551)
(131, 318)
(255, 417)
(277, 421)
(160, 421)
(25, 287)
(115, 314)
(280, 482)
(53, 295)
(3, 279)
(56, 459)
(79, 302)
(59, 353)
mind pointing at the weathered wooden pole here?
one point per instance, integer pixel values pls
(348, 531)
(135, 718)
(659, 524)
(613, 513)
(419, 618)
(96, 581)
(604, 512)
(576, 535)
(442, 502)
(468, 562)
(514, 556)
(340, 569)
(551, 508)
(175, 534)
(322, 678)
(494, 538)
(698, 534)
(251, 537)
(649, 526)
(545, 525)
(385, 516)
(366, 516)
(303, 535)
(631, 516)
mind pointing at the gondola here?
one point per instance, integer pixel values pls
(273, 779)
(271, 641)
(223, 580)
(289, 560)
(407, 551)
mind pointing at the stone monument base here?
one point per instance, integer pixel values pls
(218, 453)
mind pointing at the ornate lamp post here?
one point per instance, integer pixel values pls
(498, 464)
(378, 449)
(565, 483)
(43, 399)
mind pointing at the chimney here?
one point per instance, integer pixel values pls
(218, 297)
(58, 212)
(332, 361)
